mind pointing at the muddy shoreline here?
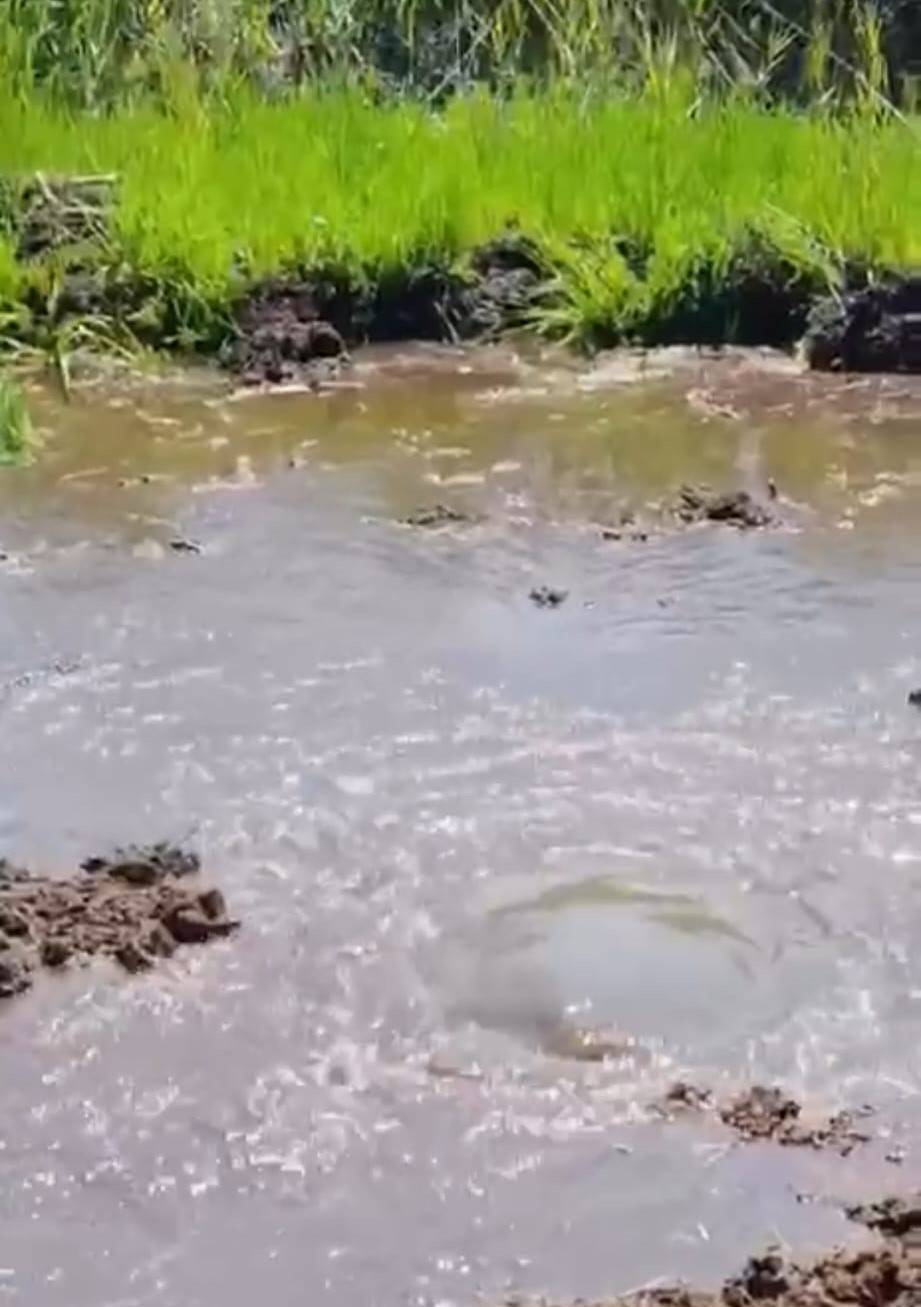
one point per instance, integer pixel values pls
(888, 1272)
(301, 324)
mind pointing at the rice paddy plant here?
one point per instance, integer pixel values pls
(15, 423)
(629, 196)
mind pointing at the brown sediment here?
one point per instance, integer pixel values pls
(135, 906)
(885, 1275)
(765, 1112)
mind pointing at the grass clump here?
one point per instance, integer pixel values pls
(16, 436)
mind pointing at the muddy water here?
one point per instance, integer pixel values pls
(683, 808)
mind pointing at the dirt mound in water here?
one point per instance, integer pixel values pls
(877, 329)
(888, 1275)
(437, 515)
(767, 1113)
(135, 906)
(733, 507)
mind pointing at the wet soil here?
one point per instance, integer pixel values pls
(135, 905)
(767, 1113)
(298, 329)
(888, 1275)
(876, 328)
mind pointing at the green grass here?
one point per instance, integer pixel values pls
(15, 424)
(334, 176)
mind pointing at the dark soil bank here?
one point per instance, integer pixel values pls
(135, 906)
(887, 1274)
(289, 328)
(299, 326)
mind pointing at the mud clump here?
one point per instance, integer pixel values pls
(135, 905)
(437, 515)
(767, 1113)
(508, 279)
(547, 596)
(282, 336)
(895, 1218)
(874, 329)
(733, 508)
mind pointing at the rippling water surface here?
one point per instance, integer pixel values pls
(684, 808)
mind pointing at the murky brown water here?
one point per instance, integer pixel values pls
(686, 805)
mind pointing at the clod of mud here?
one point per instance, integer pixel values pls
(545, 596)
(895, 1218)
(435, 516)
(183, 545)
(683, 1096)
(766, 1113)
(876, 329)
(508, 279)
(734, 507)
(135, 906)
(144, 864)
(49, 213)
(282, 336)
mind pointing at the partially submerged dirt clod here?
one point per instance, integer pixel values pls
(135, 905)
(435, 516)
(546, 596)
(734, 507)
(765, 1112)
(145, 863)
(892, 1217)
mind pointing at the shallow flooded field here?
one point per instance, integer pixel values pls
(473, 840)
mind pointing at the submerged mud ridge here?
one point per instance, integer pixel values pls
(767, 1113)
(885, 1275)
(136, 905)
